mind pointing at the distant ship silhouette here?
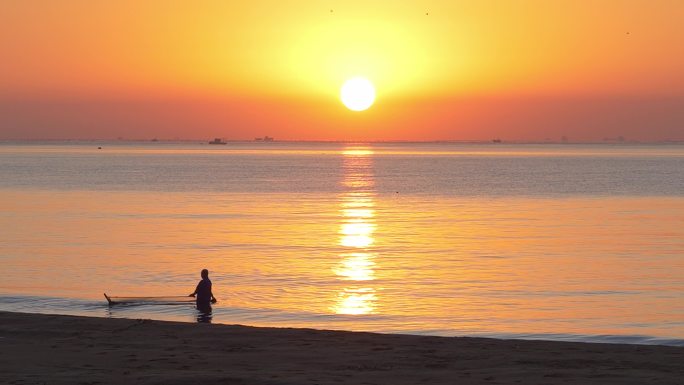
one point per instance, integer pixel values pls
(217, 141)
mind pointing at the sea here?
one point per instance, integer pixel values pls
(571, 242)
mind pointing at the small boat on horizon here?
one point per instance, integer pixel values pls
(217, 141)
(264, 139)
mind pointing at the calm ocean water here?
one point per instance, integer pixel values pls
(566, 242)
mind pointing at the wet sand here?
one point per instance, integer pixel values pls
(52, 349)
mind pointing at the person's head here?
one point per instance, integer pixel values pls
(205, 273)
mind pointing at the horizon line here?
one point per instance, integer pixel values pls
(397, 141)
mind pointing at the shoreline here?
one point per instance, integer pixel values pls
(60, 349)
(628, 339)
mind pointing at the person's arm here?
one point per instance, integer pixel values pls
(213, 299)
(194, 292)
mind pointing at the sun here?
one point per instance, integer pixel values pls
(357, 94)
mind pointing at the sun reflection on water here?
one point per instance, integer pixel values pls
(356, 301)
(356, 267)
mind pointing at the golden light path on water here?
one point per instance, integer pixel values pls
(356, 234)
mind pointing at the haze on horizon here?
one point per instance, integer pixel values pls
(526, 70)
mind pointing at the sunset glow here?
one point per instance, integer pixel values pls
(345, 186)
(523, 70)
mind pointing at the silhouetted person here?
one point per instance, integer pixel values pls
(203, 295)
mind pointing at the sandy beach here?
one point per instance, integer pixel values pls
(55, 349)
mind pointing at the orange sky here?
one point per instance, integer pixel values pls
(517, 70)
